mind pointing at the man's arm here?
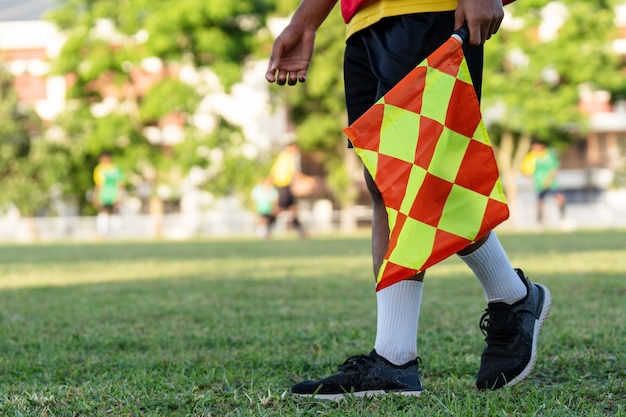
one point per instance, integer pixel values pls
(293, 48)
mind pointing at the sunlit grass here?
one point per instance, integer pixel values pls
(223, 328)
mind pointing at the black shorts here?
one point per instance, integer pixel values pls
(378, 57)
(541, 195)
(108, 208)
(286, 198)
(270, 218)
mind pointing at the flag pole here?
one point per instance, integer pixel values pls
(461, 34)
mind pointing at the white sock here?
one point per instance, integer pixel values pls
(398, 317)
(495, 272)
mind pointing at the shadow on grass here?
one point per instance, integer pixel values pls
(180, 251)
(580, 241)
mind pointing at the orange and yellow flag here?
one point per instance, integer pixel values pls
(426, 146)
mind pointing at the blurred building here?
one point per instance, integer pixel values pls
(604, 148)
(27, 43)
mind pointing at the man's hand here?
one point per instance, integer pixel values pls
(291, 56)
(483, 18)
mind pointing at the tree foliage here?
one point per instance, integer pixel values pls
(29, 166)
(534, 69)
(535, 78)
(212, 33)
(124, 59)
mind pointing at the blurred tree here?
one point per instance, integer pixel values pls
(219, 159)
(534, 68)
(125, 61)
(30, 167)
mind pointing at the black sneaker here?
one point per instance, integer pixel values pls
(511, 334)
(362, 376)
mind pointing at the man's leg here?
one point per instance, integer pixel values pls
(295, 221)
(540, 211)
(103, 220)
(262, 227)
(560, 201)
(399, 304)
(515, 314)
(489, 262)
(395, 367)
(541, 197)
(510, 295)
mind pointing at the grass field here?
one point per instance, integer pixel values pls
(223, 328)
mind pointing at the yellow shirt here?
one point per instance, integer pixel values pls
(284, 169)
(374, 10)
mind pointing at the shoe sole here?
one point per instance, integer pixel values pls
(360, 394)
(545, 310)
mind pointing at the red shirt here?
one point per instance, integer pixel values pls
(348, 8)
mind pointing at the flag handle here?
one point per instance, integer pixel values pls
(462, 33)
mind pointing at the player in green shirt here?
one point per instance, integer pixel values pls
(109, 190)
(265, 198)
(542, 164)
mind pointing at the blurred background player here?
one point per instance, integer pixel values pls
(542, 164)
(265, 199)
(108, 192)
(285, 171)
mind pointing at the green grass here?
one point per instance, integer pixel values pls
(223, 328)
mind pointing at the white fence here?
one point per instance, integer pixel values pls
(609, 211)
(321, 219)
